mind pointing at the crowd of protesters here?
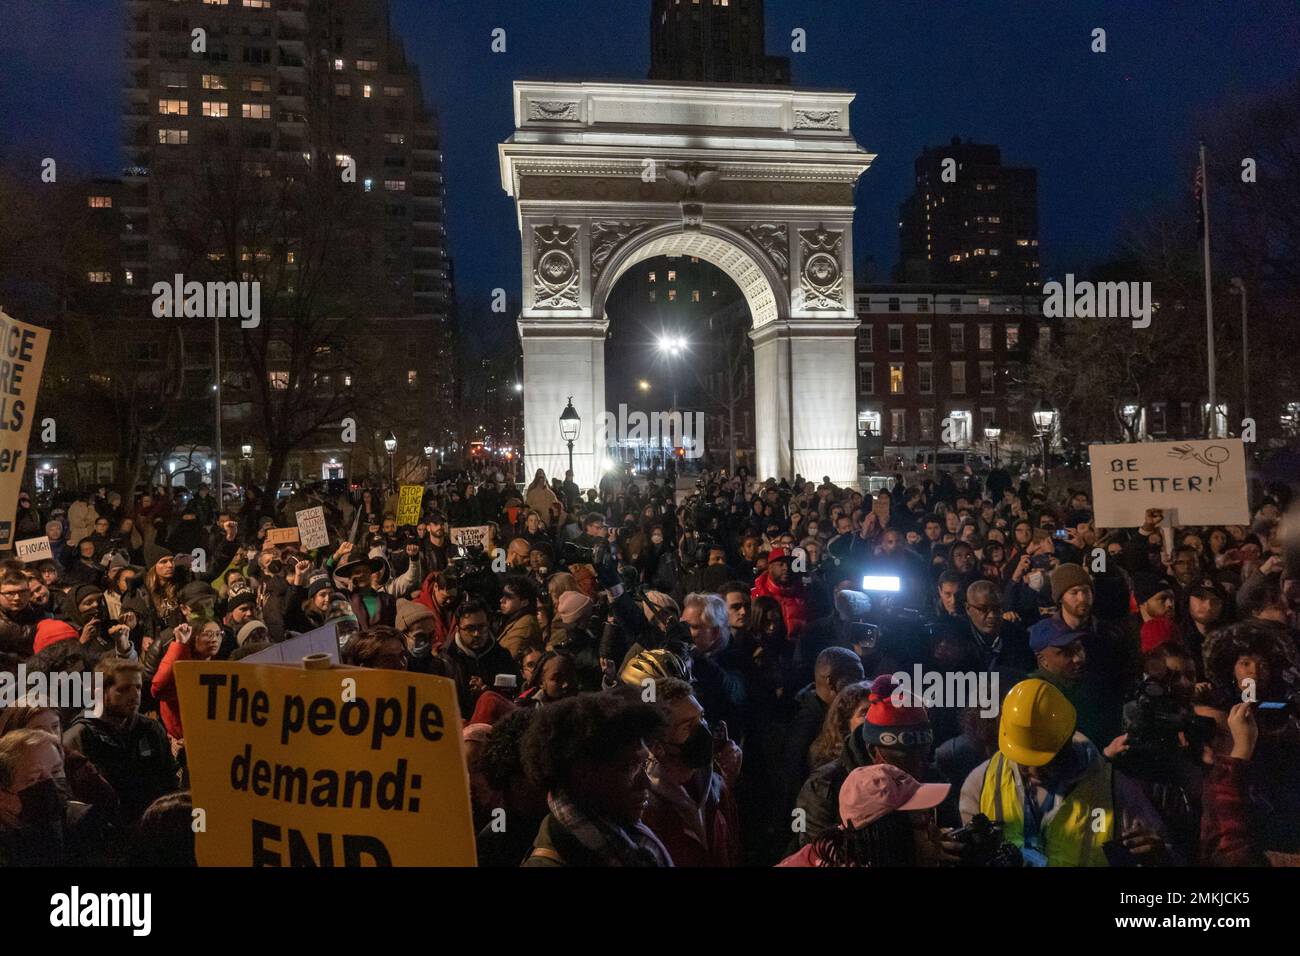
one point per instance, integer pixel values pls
(655, 677)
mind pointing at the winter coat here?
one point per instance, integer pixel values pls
(136, 760)
(461, 666)
(520, 633)
(792, 598)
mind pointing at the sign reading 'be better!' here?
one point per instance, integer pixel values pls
(1202, 482)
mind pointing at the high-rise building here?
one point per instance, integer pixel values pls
(712, 41)
(970, 221)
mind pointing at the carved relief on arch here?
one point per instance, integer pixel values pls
(774, 239)
(606, 237)
(821, 278)
(556, 274)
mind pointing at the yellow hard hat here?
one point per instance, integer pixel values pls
(1037, 721)
(652, 665)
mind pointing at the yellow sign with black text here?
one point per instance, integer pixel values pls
(22, 360)
(345, 766)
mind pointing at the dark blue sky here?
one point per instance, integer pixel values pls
(1110, 134)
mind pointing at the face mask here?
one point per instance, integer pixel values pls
(1035, 580)
(697, 752)
(657, 539)
(42, 803)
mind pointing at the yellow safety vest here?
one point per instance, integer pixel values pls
(1073, 837)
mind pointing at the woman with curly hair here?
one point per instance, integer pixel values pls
(847, 711)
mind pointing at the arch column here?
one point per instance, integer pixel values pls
(563, 358)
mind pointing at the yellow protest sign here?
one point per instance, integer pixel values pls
(408, 506)
(22, 360)
(344, 766)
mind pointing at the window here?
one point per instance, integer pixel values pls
(672, 295)
(1022, 242)
(927, 424)
(278, 380)
(957, 337)
(988, 416)
(954, 305)
(216, 3)
(367, 66)
(1158, 418)
(986, 378)
(257, 111)
(395, 185)
(214, 110)
(1013, 336)
(257, 169)
(672, 275)
(412, 377)
(652, 295)
(866, 378)
(695, 295)
(923, 338)
(256, 84)
(257, 54)
(173, 137)
(984, 303)
(99, 277)
(897, 426)
(214, 81)
(258, 4)
(342, 89)
(650, 277)
(958, 372)
(925, 378)
(893, 304)
(864, 338)
(366, 90)
(922, 305)
(895, 338)
(986, 338)
(100, 202)
(393, 91)
(395, 139)
(368, 185)
(896, 378)
(172, 80)
(174, 107)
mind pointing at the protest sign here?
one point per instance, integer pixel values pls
(281, 535)
(293, 766)
(22, 360)
(33, 549)
(408, 507)
(311, 528)
(1200, 482)
(327, 640)
(473, 536)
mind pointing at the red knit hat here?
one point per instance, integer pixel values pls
(891, 724)
(490, 708)
(50, 631)
(1157, 631)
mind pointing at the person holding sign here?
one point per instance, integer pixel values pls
(195, 640)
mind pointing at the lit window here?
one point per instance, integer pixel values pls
(995, 219)
(1022, 242)
(955, 257)
(984, 305)
(672, 275)
(896, 378)
(695, 295)
(395, 185)
(100, 202)
(995, 252)
(173, 137)
(258, 111)
(128, 277)
(672, 295)
(986, 338)
(980, 252)
(258, 4)
(1013, 336)
(216, 110)
(216, 3)
(338, 66)
(897, 425)
(650, 277)
(369, 184)
(395, 139)
(368, 66)
(174, 107)
(214, 81)
(342, 159)
(411, 378)
(99, 277)
(366, 89)
(278, 380)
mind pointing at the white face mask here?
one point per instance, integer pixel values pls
(1035, 580)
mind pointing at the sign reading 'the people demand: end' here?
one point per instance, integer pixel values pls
(1202, 482)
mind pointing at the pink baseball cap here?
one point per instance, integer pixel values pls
(871, 792)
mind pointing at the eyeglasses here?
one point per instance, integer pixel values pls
(985, 608)
(12, 593)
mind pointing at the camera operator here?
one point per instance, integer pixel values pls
(1046, 784)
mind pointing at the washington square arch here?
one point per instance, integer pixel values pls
(757, 181)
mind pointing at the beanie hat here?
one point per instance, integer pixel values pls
(238, 595)
(1068, 576)
(246, 632)
(1147, 584)
(852, 605)
(319, 581)
(51, 631)
(490, 708)
(196, 592)
(409, 613)
(895, 717)
(1157, 631)
(572, 606)
(659, 601)
(154, 552)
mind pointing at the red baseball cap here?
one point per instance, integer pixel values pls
(778, 554)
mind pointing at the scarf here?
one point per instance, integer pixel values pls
(615, 845)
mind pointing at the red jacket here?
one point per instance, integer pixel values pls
(164, 687)
(793, 601)
(721, 828)
(1225, 818)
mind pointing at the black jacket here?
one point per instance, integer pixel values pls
(136, 760)
(461, 666)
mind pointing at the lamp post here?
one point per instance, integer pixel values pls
(1045, 415)
(570, 424)
(991, 434)
(390, 446)
(1239, 288)
(428, 453)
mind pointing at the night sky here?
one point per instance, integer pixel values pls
(1110, 134)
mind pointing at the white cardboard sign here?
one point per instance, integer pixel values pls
(1202, 482)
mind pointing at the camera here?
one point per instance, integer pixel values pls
(1153, 720)
(573, 553)
(982, 844)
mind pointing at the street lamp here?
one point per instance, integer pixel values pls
(428, 453)
(246, 451)
(1045, 416)
(570, 423)
(991, 434)
(390, 446)
(1239, 288)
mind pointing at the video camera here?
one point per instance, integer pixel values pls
(1153, 720)
(903, 634)
(982, 844)
(470, 568)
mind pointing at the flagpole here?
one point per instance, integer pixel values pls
(1213, 426)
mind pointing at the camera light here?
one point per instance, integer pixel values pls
(881, 582)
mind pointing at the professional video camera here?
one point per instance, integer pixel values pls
(571, 552)
(982, 844)
(903, 635)
(1154, 720)
(470, 566)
